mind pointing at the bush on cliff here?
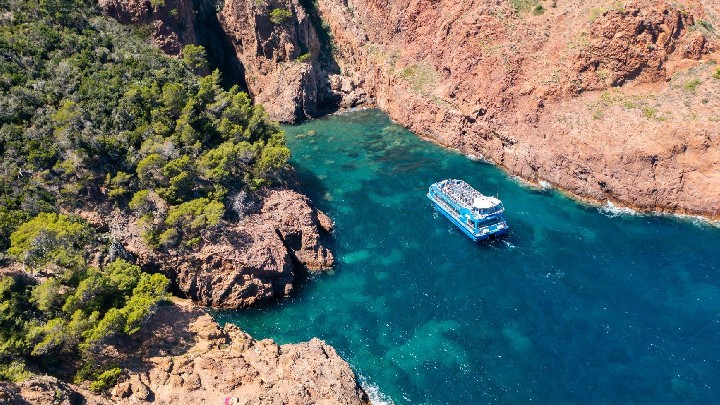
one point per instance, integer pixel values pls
(76, 308)
(279, 15)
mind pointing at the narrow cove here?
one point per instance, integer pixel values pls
(575, 305)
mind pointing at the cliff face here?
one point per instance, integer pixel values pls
(280, 56)
(183, 356)
(270, 47)
(611, 101)
(172, 24)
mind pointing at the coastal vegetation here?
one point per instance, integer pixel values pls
(279, 15)
(92, 115)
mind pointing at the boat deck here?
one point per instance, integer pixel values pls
(461, 192)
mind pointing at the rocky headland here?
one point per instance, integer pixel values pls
(184, 356)
(239, 263)
(610, 101)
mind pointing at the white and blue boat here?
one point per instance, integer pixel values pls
(477, 215)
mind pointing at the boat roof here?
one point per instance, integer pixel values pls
(465, 195)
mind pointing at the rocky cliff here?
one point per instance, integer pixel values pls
(183, 356)
(271, 48)
(239, 263)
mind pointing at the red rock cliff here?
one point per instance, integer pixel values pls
(611, 101)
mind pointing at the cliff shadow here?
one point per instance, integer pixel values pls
(220, 51)
(328, 102)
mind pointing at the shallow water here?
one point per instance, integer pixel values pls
(575, 305)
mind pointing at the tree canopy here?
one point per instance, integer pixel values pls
(91, 113)
(87, 105)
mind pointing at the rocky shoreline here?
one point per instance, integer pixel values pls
(184, 356)
(604, 109)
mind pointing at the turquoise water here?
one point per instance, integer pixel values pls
(574, 306)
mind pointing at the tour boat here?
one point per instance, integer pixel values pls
(477, 215)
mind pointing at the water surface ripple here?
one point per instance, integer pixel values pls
(574, 306)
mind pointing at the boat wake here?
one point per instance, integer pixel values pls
(508, 244)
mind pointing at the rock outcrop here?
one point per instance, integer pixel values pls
(46, 390)
(184, 357)
(280, 56)
(275, 47)
(239, 263)
(172, 21)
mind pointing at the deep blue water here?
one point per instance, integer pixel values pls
(574, 306)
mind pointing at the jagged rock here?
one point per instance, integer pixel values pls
(46, 390)
(279, 59)
(173, 21)
(244, 263)
(204, 364)
(289, 88)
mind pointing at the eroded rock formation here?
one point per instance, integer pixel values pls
(184, 357)
(280, 56)
(172, 23)
(239, 263)
(274, 42)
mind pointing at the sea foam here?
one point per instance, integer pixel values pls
(611, 210)
(373, 391)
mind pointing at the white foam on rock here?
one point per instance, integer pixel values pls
(374, 395)
(611, 210)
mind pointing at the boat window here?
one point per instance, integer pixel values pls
(493, 221)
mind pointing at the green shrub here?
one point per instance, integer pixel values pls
(279, 15)
(650, 113)
(692, 85)
(50, 238)
(13, 372)
(195, 57)
(523, 6)
(196, 214)
(140, 202)
(716, 75)
(105, 380)
(303, 58)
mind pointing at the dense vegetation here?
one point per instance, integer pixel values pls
(73, 309)
(91, 114)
